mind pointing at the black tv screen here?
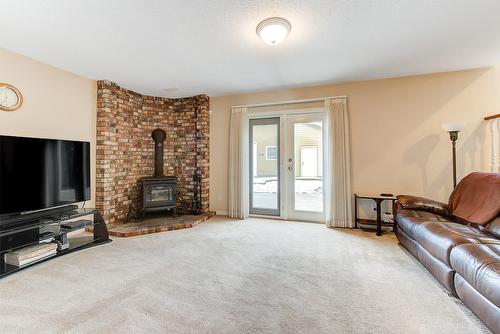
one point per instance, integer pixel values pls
(37, 174)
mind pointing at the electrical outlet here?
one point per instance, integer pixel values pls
(219, 198)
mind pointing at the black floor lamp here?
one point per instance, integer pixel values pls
(453, 129)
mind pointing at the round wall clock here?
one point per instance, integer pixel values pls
(11, 98)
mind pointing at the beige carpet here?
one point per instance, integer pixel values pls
(223, 276)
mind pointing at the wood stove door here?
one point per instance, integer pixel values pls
(159, 195)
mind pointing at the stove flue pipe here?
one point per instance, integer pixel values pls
(158, 136)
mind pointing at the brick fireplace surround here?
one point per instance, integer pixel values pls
(125, 150)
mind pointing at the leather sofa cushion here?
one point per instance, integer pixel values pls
(438, 238)
(479, 265)
(409, 220)
(438, 269)
(494, 227)
(407, 242)
(482, 307)
(476, 198)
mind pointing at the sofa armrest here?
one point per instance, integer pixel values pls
(409, 202)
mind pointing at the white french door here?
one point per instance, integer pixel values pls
(286, 162)
(304, 156)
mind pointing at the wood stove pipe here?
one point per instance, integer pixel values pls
(158, 136)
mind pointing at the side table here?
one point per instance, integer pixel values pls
(378, 200)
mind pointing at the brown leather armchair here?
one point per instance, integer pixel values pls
(458, 242)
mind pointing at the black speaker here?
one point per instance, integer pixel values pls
(18, 239)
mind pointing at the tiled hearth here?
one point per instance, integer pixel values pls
(156, 225)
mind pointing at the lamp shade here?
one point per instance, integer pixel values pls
(453, 126)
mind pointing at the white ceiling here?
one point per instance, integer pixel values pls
(210, 46)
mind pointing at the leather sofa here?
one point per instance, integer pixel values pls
(459, 242)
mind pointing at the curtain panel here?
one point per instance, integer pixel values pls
(239, 164)
(338, 184)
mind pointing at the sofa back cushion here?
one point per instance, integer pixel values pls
(476, 198)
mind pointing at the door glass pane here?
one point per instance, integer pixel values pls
(308, 142)
(159, 193)
(265, 156)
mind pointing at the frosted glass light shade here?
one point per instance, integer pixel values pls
(274, 30)
(453, 126)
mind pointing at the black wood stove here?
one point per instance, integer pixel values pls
(158, 191)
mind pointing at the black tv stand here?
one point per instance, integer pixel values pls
(24, 230)
(30, 215)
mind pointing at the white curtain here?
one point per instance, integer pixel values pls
(338, 180)
(239, 164)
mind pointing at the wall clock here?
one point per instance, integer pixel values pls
(11, 98)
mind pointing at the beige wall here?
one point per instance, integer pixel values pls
(398, 145)
(57, 104)
(397, 142)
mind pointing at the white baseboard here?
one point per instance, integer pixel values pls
(221, 213)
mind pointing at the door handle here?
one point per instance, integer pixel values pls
(290, 168)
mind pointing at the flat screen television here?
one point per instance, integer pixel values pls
(37, 174)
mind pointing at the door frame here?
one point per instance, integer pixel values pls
(283, 187)
(265, 121)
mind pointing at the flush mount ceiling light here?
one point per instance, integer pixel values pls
(274, 30)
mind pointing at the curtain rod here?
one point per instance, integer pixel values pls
(289, 102)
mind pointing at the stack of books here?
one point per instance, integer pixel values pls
(27, 255)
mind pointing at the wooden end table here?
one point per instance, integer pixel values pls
(378, 200)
